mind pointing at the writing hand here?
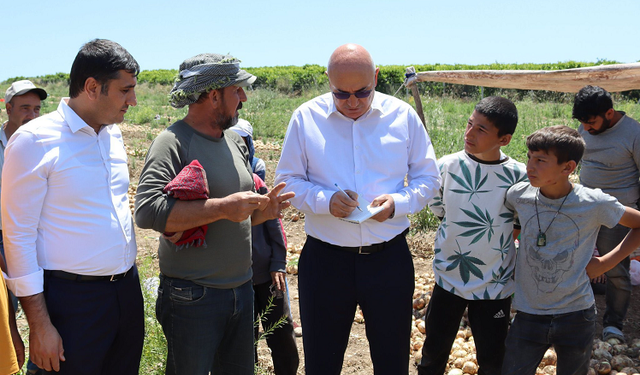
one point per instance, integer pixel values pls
(342, 205)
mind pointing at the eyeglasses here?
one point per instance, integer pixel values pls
(360, 94)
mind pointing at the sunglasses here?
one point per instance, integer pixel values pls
(361, 94)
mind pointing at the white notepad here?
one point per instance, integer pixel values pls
(358, 216)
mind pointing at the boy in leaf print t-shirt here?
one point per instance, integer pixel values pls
(474, 249)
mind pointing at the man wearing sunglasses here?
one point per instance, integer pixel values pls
(367, 143)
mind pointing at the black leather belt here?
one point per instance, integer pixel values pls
(361, 249)
(72, 276)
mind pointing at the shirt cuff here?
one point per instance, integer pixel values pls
(401, 203)
(27, 285)
(322, 202)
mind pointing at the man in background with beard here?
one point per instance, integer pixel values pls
(205, 297)
(611, 162)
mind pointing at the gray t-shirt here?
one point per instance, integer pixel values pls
(551, 279)
(611, 161)
(226, 260)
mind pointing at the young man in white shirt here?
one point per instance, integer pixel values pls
(68, 230)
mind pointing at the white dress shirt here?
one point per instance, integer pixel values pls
(3, 145)
(64, 201)
(370, 155)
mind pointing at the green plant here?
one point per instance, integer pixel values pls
(266, 331)
(154, 351)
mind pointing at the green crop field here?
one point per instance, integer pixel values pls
(280, 90)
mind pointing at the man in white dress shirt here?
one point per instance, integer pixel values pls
(68, 230)
(23, 101)
(367, 143)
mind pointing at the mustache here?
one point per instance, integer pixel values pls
(239, 106)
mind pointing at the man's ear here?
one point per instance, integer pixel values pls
(8, 108)
(375, 81)
(609, 114)
(92, 88)
(215, 97)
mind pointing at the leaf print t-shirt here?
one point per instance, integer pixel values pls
(474, 250)
(552, 279)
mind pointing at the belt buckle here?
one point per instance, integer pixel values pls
(359, 249)
(113, 277)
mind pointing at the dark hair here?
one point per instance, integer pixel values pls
(103, 60)
(591, 101)
(502, 113)
(565, 142)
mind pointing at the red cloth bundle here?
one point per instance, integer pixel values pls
(189, 184)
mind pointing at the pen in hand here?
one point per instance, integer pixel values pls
(345, 193)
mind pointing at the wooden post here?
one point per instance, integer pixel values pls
(411, 71)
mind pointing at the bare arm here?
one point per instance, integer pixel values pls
(235, 207)
(45, 344)
(599, 265)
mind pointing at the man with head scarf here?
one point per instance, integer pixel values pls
(205, 297)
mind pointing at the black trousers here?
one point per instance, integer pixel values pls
(101, 323)
(489, 321)
(332, 282)
(281, 341)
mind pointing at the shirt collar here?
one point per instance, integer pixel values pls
(71, 117)
(376, 105)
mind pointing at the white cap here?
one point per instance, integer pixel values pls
(22, 87)
(243, 128)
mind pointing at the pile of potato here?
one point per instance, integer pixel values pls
(615, 358)
(611, 357)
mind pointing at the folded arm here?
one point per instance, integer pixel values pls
(599, 265)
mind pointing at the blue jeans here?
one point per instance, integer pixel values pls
(207, 329)
(618, 278)
(530, 336)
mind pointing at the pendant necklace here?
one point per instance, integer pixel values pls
(542, 237)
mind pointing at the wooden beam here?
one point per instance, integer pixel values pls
(613, 78)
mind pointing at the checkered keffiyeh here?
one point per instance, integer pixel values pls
(190, 184)
(206, 72)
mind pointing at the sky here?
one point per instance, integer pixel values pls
(42, 37)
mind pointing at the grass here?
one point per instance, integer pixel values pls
(154, 351)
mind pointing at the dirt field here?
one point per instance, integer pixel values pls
(357, 359)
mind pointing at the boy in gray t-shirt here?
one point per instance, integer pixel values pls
(560, 223)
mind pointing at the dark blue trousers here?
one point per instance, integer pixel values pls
(332, 282)
(101, 323)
